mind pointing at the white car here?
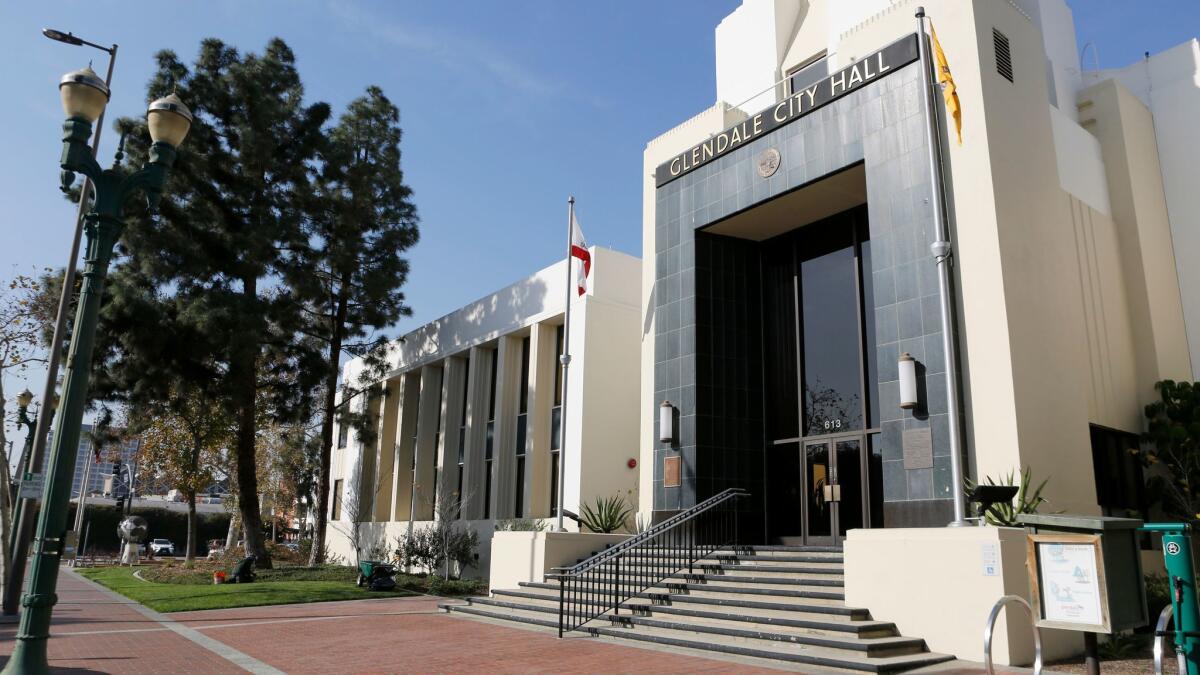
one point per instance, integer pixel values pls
(162, 547)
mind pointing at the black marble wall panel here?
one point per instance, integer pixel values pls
(707, 361)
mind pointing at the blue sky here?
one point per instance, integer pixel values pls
(507, 108)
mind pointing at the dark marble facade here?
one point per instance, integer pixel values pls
(708, 341)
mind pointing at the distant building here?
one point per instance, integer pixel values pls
(125, 452)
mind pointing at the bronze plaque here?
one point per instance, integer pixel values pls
(672, 471)
(918, 449)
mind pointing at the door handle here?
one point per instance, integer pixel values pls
(833, 493)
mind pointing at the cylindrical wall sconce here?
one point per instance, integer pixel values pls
(908, 381)
(666, 422)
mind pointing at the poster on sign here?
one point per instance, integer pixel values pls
(1068, 585)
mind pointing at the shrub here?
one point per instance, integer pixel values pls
(429, 547)
(1028, 499)
(521, 525)
(605, 515)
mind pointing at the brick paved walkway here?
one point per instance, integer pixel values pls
(96, 630)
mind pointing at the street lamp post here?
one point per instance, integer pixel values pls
(84, 97)
(22, 508)
(23, 522)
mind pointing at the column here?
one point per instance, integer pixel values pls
(478, 392)
(508, 377)
(406, 427)
(385, 451)
(428, 421)
(543, 359)
(454, 390)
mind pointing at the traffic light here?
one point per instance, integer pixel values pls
(116, 469)
(120, 503)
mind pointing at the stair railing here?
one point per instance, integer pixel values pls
(601, 583)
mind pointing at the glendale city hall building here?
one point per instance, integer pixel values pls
(843, 310)
(788, 269)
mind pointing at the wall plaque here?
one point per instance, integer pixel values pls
(918, 449)
(672, 471)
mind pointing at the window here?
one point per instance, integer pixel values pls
(437, 443)
(489, 442)
(1120, 485)
(1003, 55)
(556, 421)
(808, 73)
(343, 435)
(337, 500)
(462, 440)
(522, 429)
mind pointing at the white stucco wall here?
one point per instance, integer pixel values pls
(1168, 83)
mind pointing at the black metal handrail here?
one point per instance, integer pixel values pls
(595, 586)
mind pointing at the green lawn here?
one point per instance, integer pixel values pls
(187, 597)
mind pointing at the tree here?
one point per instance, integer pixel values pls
(183, 438)
(1172, 440)
(197, 297)
(359, 222)
(20, 336)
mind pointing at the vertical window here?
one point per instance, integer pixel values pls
(336, 513)
(556, 419)
(489, 442)
(343, 434)
(437, 443)
(462, 439)
(522, 429)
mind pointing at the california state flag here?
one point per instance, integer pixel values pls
(581, 258)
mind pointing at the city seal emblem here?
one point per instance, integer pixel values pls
(768, 162)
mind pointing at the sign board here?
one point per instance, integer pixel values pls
(1067, 582)
(32, 485)
(989, 559)
(798, 104)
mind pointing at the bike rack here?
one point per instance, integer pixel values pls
(1160, 630)
(1037, 634)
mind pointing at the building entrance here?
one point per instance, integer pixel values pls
(822, 419)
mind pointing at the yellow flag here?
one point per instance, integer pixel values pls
(946, 80)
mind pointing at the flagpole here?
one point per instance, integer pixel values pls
(565, 360)
(942, 251)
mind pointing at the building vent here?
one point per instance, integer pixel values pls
(1003, 55)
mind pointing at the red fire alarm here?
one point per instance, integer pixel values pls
(632, 463)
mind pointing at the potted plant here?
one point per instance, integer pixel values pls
(218, 577)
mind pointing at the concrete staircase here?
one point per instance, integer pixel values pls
(782, 603)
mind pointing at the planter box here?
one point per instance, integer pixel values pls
(528, 556)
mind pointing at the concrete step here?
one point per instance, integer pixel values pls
(791, 615)
(760, 580)
(738, 634)
(701, 598)
(728, 557)
(817, 625)
(793, 653)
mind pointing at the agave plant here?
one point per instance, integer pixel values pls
(1028, 499)
(605, 514)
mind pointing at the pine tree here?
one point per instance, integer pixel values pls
(198, 297)
(360, 221)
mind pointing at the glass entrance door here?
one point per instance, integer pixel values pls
(834, 500)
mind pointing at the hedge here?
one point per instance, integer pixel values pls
(101, 525)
